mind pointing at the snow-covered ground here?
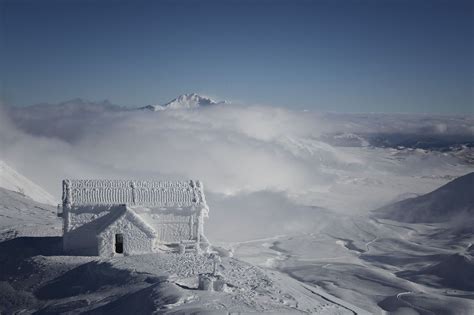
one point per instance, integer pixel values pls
(380, 266)
(347, 265)
(290, 193)
(12, 180)
(37, 277)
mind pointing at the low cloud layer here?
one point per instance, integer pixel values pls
(235, 150)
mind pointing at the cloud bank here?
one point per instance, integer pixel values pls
(236, 150)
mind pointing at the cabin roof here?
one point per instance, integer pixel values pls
(131, 215)
(89, 192)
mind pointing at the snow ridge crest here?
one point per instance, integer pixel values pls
(185, 101)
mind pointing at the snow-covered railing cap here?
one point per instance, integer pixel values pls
(78, 192)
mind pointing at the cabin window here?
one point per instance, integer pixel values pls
(119, 243)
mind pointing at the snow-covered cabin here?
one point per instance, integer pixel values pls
(110, 217)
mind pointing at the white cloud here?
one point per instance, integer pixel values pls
(236, 151)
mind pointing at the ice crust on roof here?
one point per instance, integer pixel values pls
(134, 192)
(132, 217)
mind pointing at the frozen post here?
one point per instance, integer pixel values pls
(206, 283)
(216, 261)
(182, 248)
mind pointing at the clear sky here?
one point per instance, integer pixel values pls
(347, 56)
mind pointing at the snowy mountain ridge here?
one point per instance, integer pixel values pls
(185, 101)
(454, 199)
(12, 180)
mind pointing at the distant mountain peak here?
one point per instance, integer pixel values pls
(185, 101)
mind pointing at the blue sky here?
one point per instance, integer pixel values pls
(344, 56)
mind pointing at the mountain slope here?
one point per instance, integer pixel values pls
(453, 271)
(23, 216)
(14, 181)
(444, 204)
(185, 101)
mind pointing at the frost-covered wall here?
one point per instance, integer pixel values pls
(138, 236)
(172, 228)
(82, 225)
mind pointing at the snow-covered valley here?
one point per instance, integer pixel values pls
(347, 264)
(379, 266)
(317, 215)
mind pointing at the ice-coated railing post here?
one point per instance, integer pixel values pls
(216, 261)
(191, 227)
(195, 195)
(134, 197)
(67, 193)
(67, 203)
(200, 189)
(181, 248)
(198, 236)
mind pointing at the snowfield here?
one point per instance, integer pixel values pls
(347, 265)
(37, 278)
(310, 213)
(376, 265)
(12, 180)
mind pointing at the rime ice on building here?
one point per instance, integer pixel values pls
(109, 217)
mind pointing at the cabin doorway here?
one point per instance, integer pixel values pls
(119, 243)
